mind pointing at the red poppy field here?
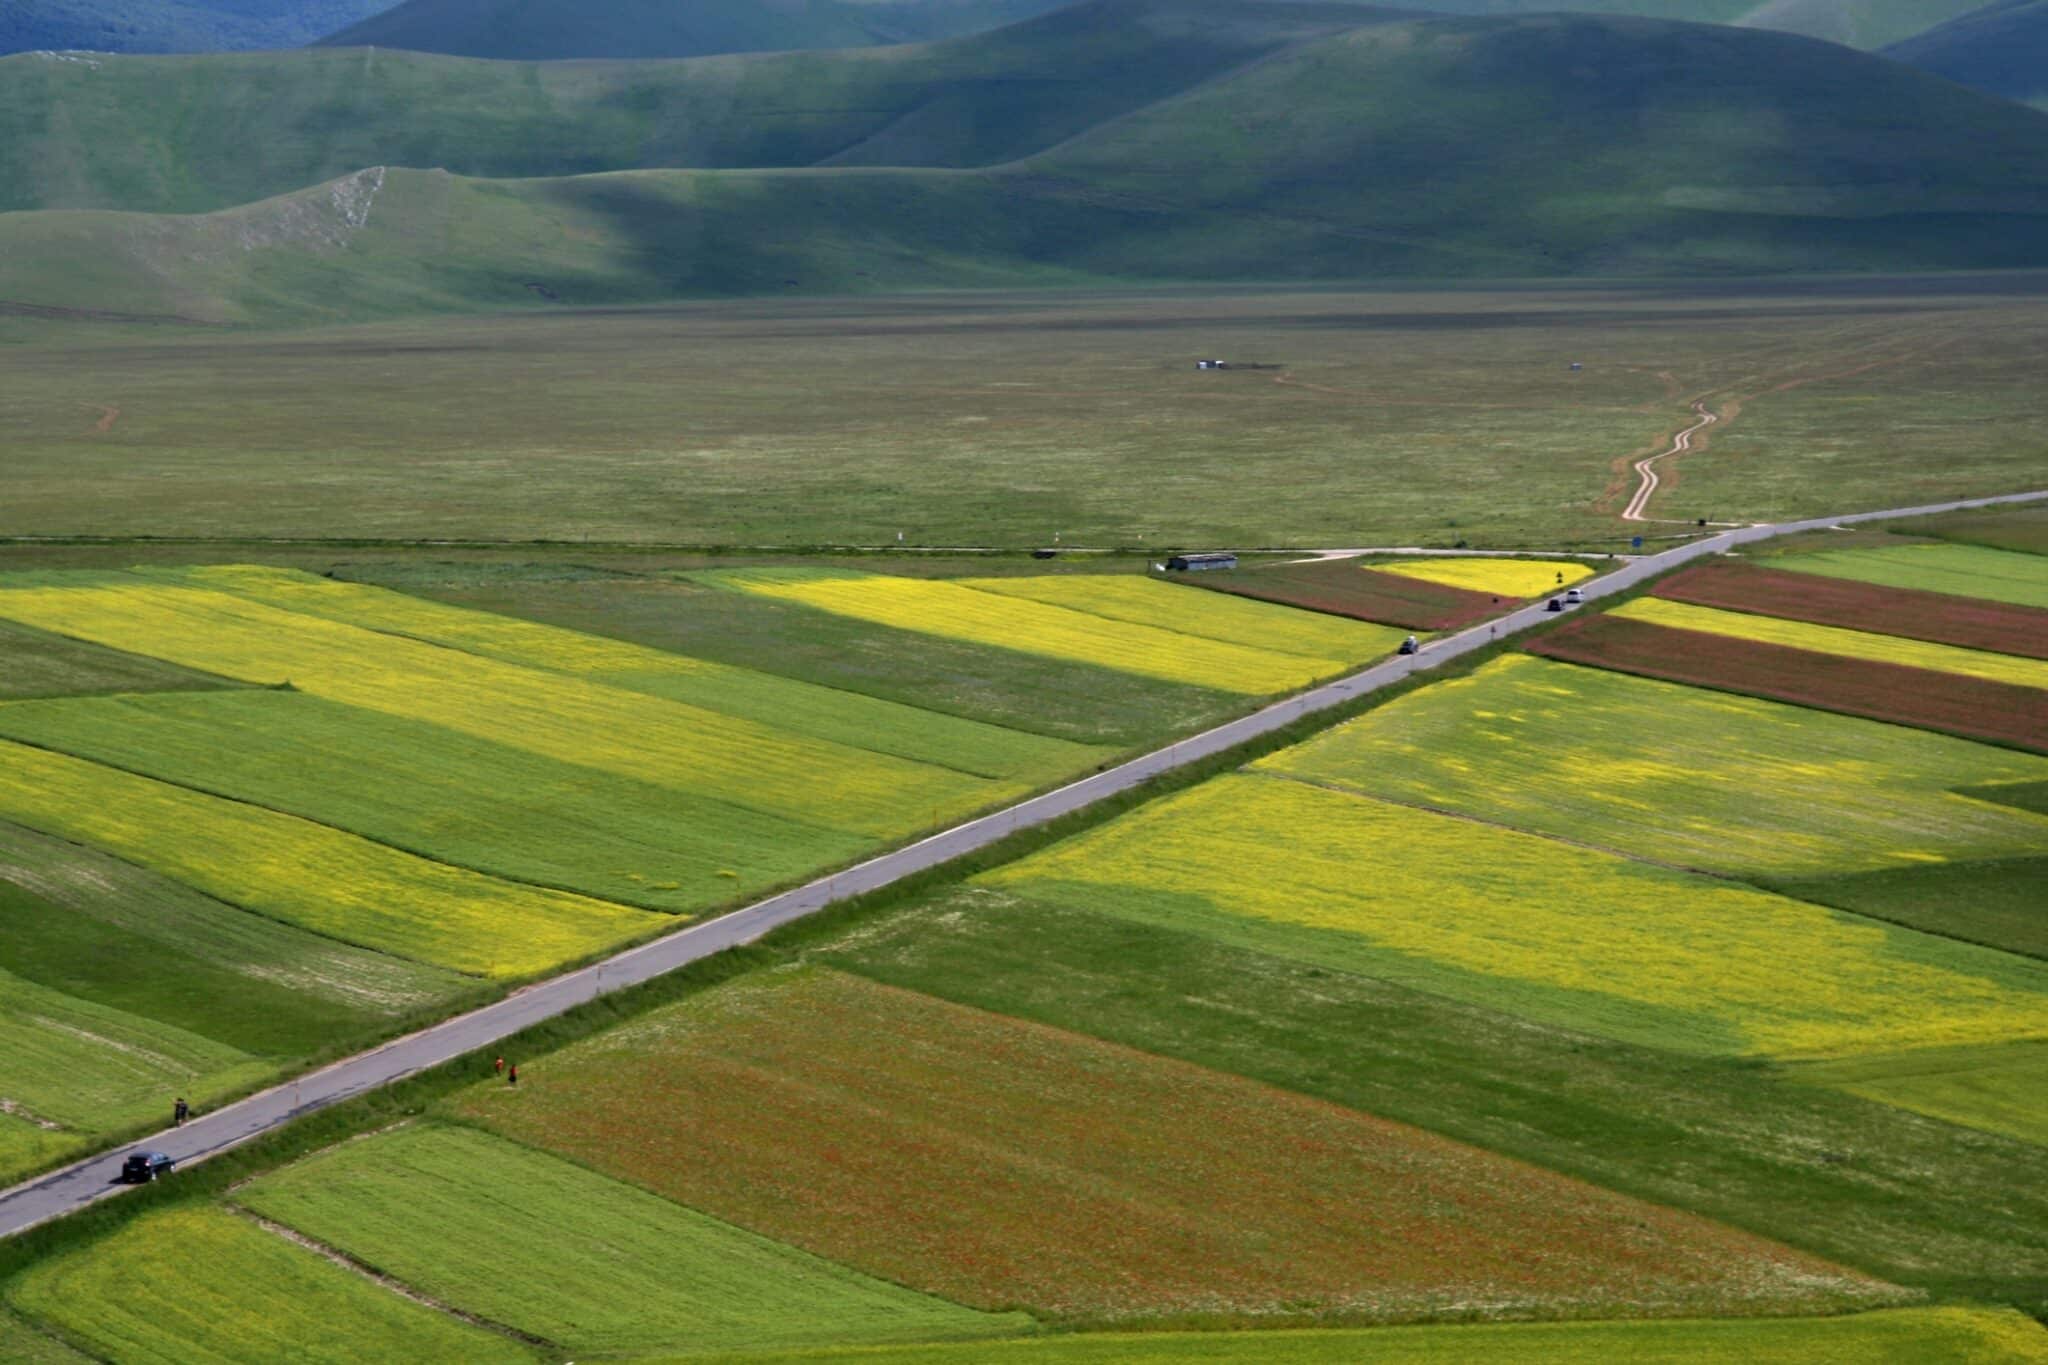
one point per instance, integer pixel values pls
(1001, 1163)
(1970, 622)
(1342, 587)
(1971, 707)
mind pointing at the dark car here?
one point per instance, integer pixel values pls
(142, 1167)
(1555, 604)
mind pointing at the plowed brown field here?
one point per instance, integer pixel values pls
(1971, 707)
(1970, 622)
(1001, 1163)
(1342, 587)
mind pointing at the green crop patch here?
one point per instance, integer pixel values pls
(1898, 1336)
(1999, 1089)
(442, 794)
(202, 1284)
(35, 663)
(23, 1344)
(1959, 570)
(997, 1162)
(1677, 774)
(2000, 902)
(581, 1260)
(1962, 1212)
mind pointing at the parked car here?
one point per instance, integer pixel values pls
(142, 1167)
(1574, 597)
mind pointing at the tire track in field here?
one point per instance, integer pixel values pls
(1646, 469)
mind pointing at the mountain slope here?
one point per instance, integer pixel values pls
(2001, 48)
(191, 134)
(1854, 23)
(173, 25)
(1553, 145)
(546, 30)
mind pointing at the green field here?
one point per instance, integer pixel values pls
(2000, 1089)
(1679, 775)
(1964, 570)
(2023, 530)
(34, 663)
(1962, 1213)
(202, 1284)
(1908, 1336)
(25, 1344)
(2001, 902)
(581, 1261)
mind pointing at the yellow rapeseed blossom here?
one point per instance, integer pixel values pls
(1504, 577)
(687, 747)
(1851, 644)
(1211, 615)
(937, 607)
(1534, 926)
(308, 874)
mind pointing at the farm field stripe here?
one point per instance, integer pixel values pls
(1902, 1336)
(1937, 618)
(2000, 1089)
(83, 1182)
(1849, 644)
(1964, 570)
(1516, 578)
(1341, 587)
(996, 1162)
(1969, 707)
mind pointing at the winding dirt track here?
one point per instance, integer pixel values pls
(1646, 468)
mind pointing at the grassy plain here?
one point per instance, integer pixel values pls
(2002, 1089)
(584, 1262)
(443, 795)
(1965, 570)
(834, 716)
(663, 610)
(1516, 578)
(1900, 1336)
(1001, 1163)
(1531, 926)
(1961, 1213)
(1399, 417)
(196, 1283)
(332, 883)
(956, 610)
(1848, 644)
(35, 663)
(1170, 606)
(1677, 774)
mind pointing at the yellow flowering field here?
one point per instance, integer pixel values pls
(1852, 644)
(827, 713)
(1678, 774)
(938, 607)
(1533, 926)
(1211, 615)
(306, 874)
(690, 748)
(1503, 577)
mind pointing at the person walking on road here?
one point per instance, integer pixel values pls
(180, 1112)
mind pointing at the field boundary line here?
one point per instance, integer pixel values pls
(83, 1182)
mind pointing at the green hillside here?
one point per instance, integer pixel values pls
(172, 25)
(1855, 23)
(545, 30)
(2001, 48)
(1547, 145)
(191, 134)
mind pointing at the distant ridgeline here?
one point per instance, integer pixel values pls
(1113, 140)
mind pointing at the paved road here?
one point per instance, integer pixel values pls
(62, 1191)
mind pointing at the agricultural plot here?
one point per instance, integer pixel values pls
(1531, 926)
(35, 663)
(1518, 578)
(1847, 644)
(988, 618)
(579, 1260)
(1959, 570)
(1000, 1163)
(1897, 1336)
(1970, 707)
(990, 751)
(1169, 606)
(1342, 587)
(988, 683)
(1679, 775)
(2023, 530)
(573, 720)
(203, 1284)
(2001, 902)
(1999, 1089)
(1965, 622)
(306, 874)
(1962, 1213)
(441, 794)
